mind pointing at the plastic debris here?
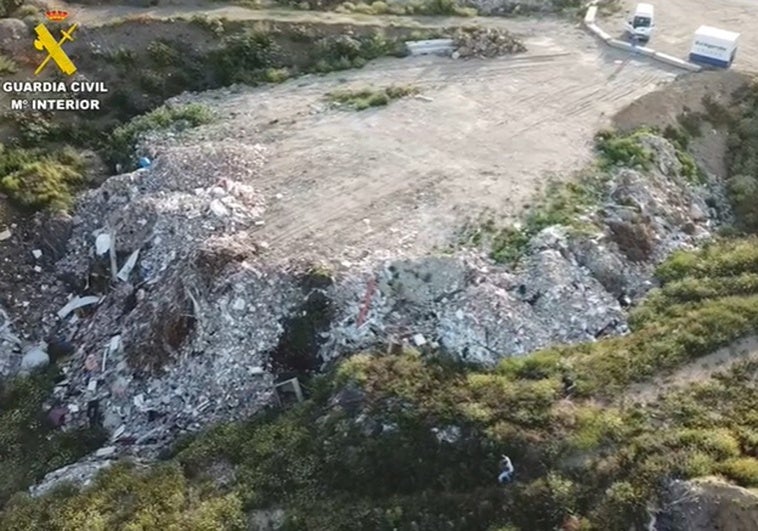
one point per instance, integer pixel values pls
(145, 163)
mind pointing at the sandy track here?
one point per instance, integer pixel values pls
(409, 174)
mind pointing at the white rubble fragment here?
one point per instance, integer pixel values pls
(256, 370)
(37, 269)
(102, 244)
(218, 209)
(119, 432)
(106, 451)
(35, 358)
(419, 340)
(5, 234)
(37, 254)
(76, 303)
(126, 269)
(92, 385)
(239, 304)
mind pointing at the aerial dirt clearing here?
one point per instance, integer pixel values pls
(481, 136)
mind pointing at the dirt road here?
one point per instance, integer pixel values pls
(408, 174)
(404, 178)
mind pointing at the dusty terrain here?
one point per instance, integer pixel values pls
(484, 137)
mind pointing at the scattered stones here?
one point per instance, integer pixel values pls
(79, 474)
(5, 234)
(486, 42)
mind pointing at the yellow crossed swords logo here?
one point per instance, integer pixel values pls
(46, 41)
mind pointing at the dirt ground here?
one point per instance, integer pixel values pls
(485, 136)
(700, 370)
(677, 20)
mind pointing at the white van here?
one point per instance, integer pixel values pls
(641, 22)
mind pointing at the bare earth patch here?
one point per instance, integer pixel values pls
(700, 370)
(482, 135)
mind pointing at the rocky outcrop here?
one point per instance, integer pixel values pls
(707, 504)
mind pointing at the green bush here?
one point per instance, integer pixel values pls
(29, 446)
(33, 178)
(365, 98)
(7, 65)
(622, 150)
(244, 57)
(743, 470)
(164, 53)
(127, 498)
(7, 7)
(121, 144)
(743, 194)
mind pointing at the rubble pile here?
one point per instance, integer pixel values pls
(485, 42)
(171, 316)
(571, 287)
(175, 309)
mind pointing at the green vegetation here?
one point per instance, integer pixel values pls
(364, 98)
(623, 150)
(7, 65)
(29, 446)
(581, 452)
(120, 146)
(37, 178)
(7, 7)
(561, 204)
(427, 7)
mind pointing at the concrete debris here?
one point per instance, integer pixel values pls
(78, 474)
(35, 358)
(107, 451)
(102, 244)
(486, 42)
(126, 269)
(5, 234)
(37, 254)
(419, 340)
(200, 313)
(76, 303)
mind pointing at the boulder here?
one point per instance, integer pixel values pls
(35, 358)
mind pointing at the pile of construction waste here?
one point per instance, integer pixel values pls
(175, 316)
(485, 42)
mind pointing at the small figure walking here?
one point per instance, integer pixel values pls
(506, 470)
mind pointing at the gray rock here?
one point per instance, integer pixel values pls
(35, 358)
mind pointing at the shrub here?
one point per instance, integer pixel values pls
(7, 7)
(37, 179)
(743, 470)
(243, 57)
(364, 98)
(622, 150)
(7, 65)
(743, 194)
(30, 447)
(164, 53)
(121, 143)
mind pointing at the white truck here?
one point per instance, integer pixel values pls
(714, 47)
(641, 22)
